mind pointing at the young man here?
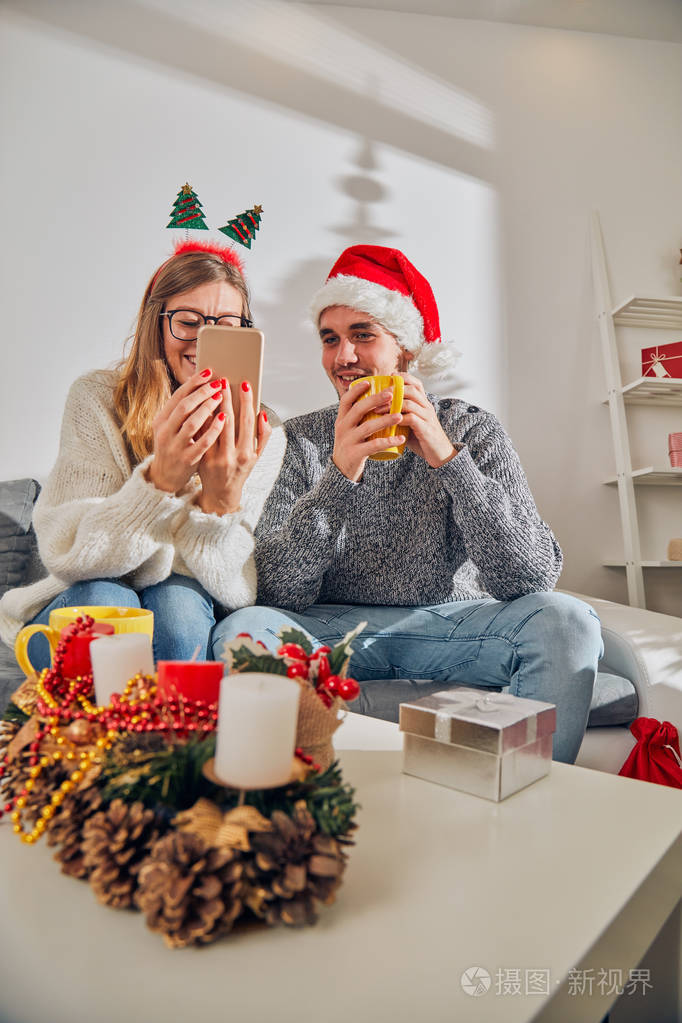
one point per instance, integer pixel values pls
(442, 551)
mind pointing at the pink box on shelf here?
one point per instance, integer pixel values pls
(663, 360)
(675, 450)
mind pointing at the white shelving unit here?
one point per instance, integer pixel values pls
(652, 477)
(664, 313)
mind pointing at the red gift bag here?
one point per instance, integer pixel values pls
(656, 757)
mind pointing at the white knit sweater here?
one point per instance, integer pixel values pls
(97, 516)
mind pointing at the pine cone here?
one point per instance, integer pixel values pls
(189, 891)
(65, 829)
(115, 841)
(48, 781)
(8, 729)
(292, 868)
(16, 771)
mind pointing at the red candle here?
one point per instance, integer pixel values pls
(77, 656)
(195, 680)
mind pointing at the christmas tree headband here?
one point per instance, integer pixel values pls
(188, 213)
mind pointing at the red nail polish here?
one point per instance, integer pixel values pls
(217, 396)
(215, 383)
(206, 372)
(221, 416)
(245, 386)
(265, 417)
(223, 383)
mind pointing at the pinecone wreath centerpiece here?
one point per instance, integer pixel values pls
(321, 674)
(125, 794)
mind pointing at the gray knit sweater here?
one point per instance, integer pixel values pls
(406, 534)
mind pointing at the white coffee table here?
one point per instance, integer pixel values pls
(581, 870)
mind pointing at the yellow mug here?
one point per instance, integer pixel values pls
(123, 619)
(379, 383)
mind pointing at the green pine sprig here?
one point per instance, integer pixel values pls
(329, 799)
(169, 777)
(158, 773)
(15, 715)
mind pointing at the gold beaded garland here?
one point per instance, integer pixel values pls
(86, 760)
(139, 690)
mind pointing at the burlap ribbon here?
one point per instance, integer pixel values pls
(316, 725)
(221, 829)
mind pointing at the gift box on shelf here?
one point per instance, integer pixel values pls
(675, 450)
(663, 360)
(486, 743)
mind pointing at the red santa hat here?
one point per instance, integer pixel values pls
(383, 283)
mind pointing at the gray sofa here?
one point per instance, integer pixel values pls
(640, 673)
(20, 562)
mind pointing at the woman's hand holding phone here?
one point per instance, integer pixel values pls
(184, 430)
(225, 466)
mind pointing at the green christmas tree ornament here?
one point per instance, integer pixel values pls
(243, 228)
(187, 211)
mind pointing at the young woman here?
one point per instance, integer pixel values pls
(155, 493)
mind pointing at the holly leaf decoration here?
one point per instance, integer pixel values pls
(244, 659)
(341, 653)
(296, 636)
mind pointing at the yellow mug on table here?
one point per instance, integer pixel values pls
(379, 383)
(123, 619)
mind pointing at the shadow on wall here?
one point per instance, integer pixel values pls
(296, 59)
(304, 62)
(291, 366)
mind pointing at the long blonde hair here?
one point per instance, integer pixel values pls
(146, 382)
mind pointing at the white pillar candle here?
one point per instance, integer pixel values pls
(116, 659)
(256, 733)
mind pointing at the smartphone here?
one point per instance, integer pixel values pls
(235, 353)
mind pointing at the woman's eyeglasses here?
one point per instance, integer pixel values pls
(185, 323)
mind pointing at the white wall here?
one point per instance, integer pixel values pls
(478, 148)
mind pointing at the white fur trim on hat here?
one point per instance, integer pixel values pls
(435, 365)
(394, 311)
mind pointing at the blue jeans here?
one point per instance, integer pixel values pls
(543, 646)
(184, 614)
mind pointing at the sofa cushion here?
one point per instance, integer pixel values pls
(11, 675)
(20, 562)
(18, 548)
(614, 699)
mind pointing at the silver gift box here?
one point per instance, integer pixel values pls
(489, 744)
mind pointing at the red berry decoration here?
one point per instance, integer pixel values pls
(323, 672)
(293, 650)
(320, 650)
(297, 670)
(332, 684)
(348, 689)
